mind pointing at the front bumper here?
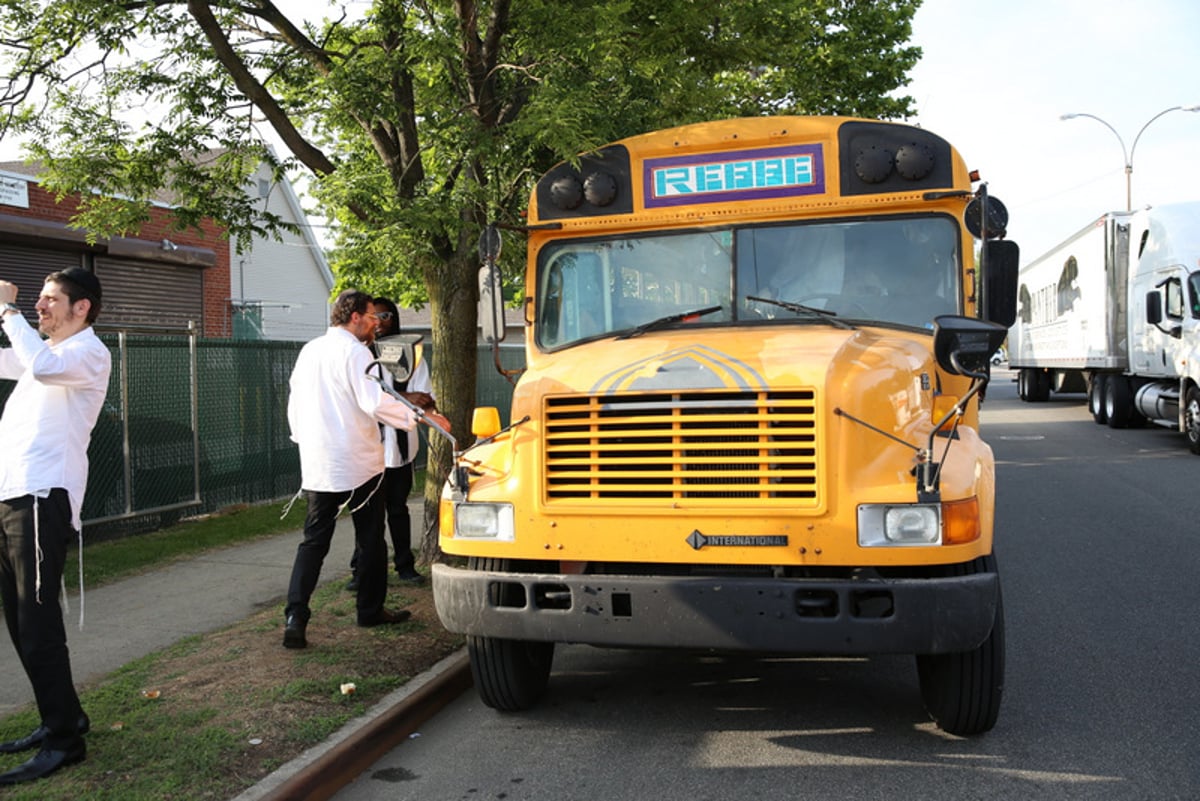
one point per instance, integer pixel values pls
(836, 617)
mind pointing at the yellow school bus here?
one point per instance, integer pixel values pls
(749, 415)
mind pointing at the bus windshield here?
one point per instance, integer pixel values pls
(900, 271)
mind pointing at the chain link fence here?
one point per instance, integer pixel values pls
(190, 425)
(193, 425)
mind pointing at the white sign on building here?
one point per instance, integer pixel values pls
(14, 191)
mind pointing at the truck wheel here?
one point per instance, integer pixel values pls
(1096, 404)
(962, 691)
(510, 675)
(1033, 385)
(1118, 401)
(1037, 384)
(1191, 419)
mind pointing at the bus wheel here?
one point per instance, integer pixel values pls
(961, 691)
(1191, 419)
(510, 675)
(1096, 403)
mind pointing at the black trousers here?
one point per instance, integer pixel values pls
(33, 615)
(323, 507)
(397, 486)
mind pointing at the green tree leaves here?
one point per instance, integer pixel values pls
(418, 121)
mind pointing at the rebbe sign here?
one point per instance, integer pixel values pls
(14, 191)
(734, 175)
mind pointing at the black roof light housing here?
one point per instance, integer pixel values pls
(886, 157)
(601, 185)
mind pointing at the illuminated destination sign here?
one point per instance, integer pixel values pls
(736, 175)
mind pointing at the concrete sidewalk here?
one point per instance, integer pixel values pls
(139, 615)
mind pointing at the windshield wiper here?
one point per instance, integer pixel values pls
(799, 308)
(667, 320)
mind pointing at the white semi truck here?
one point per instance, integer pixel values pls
(1114, 311)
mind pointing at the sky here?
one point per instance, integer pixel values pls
(997, 75)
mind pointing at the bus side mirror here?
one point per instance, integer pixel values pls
(491, 290)
(1000, 265)
(491, 304)
(399, 353)
(964, 345)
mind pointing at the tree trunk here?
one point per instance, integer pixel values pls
(454, 303)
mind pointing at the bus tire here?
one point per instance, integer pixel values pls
(510, 675)
(962, 691)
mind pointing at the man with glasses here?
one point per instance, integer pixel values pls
(334, 412)
(400, 452)
(47, 423)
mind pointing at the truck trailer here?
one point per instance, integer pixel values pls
(1114, 311)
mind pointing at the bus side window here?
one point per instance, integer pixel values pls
(573, 301)
(550, 308)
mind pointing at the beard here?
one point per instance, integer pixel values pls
(49, 325)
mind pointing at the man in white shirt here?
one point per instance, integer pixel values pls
(45, 430)
(334, 412)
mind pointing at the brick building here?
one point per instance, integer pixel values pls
(164, 279)
(160, 279)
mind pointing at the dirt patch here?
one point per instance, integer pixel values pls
(278, 702)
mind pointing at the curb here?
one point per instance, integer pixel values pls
(321, 771)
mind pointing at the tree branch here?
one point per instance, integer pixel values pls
(310, 156)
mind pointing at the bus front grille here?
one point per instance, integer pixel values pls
(684, 445)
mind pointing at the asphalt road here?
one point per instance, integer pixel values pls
(1099, 550)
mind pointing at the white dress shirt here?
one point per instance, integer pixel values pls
(48, 420)
(334, 412)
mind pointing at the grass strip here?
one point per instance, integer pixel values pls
(213, 714)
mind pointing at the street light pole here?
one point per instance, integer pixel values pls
(1127, 155)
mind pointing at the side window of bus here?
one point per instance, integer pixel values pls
(550, 307)
(572, 303)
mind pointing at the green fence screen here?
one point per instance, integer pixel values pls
(194, 425)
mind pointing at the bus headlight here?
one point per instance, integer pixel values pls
(889, 525)
(484, 521)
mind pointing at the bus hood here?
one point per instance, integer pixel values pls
(801, 412)
(843, 364)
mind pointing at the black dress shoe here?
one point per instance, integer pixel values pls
(386, 617)
(44, 762)
(32, 740)
(352, 584)
(411, 576)
(36, 737)
(293, 633)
